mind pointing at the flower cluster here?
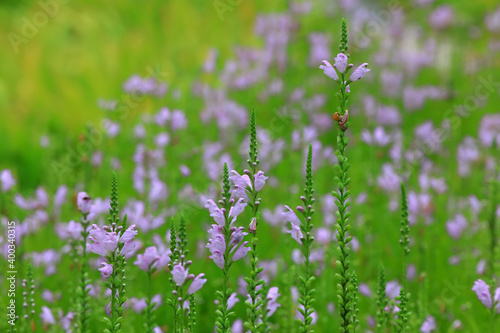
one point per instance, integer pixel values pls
(342, 67)
(105, 242)
(217, 244)
(180, 275)
(152, 260)
(242, 184)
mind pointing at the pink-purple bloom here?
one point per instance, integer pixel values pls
(84, 202)
(272, 301)
(106, 270)
(341, 62)
(329, 70)
(360, 72)
(179, 274)
(197, 283)
(106, 242)
(482, 290)
(151, 259)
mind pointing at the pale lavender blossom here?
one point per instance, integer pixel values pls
(429, 325)
(489, 130)
(360, 72)
(456, 226)
(106, 270)
(178, 120)
(84, 202)
(296, 233)
(47, 316)
(481, 267)
(197, 284)
(341, 62)
(442, 17)
(365, 290)
(7, 179)
(329, 70)
(179, 274)
(151, 259)
(482, 291)
(272, 301)
(232, 300)
(492, 21)
(106, 242)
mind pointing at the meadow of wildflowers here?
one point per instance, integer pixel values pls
(231, 166)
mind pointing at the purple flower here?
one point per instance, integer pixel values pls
(481, 267)
(241, 252)
(241, 181)
(341, 62)
(217, 246)
(272, 304)
(197, 283)
(237, 236)
(231, 301)
(456, 226)
(105, 242)
(429, 325)
(162, 116)
(329, 70)
(365, 290)
(178, 120)
(215, 212)
(260, 180)
(442, 17)
(47, 316)
(290, 216)
(392, 289)
(482, 291)
(84, 201)
(237, 209)
(360, 72)
(7, 180)
(179, 274)
(296, 233)
(149, 259)
(60, 197)
(71, 230)
(106, 270)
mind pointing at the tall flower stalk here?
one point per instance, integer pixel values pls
(113, 243)
(301, 233)
(84, 202)
(382, 301)
(338, 72)
(150, 262)
(492, 225)
(226, 245)
(254, 304)
(404, 314)
(306, 279)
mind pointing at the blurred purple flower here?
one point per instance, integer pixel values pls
(47, 316)
(429, 325)
(84, 202)
(231, 301)
(272, 298)
(482, 291)
(442, 17)
(456, 226)
(7, 180)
